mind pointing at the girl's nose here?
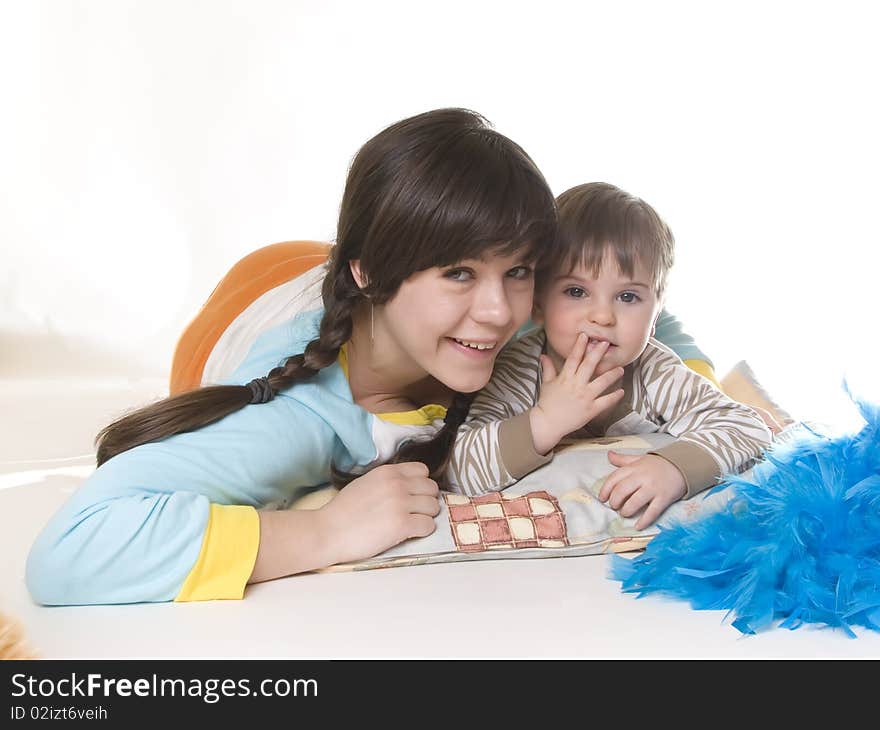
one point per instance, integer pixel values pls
(491, 305)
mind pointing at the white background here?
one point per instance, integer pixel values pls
(146, 146)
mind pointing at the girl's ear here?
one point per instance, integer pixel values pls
(357, 274)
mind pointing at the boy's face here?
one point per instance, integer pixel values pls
(609, 306)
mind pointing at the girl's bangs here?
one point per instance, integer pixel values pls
(468, 203)
(505, 210)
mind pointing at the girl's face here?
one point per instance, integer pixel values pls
(451, 322)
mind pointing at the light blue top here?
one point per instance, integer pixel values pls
(133, 530)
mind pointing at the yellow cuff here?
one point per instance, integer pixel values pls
(229, 551)
(701, 367)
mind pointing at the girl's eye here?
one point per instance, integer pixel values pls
(458, 274)
(629, 297)
(576, 292)
(520, 272)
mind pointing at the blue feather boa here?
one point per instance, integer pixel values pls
(798, 543)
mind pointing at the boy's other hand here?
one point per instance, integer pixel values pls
(647, 481)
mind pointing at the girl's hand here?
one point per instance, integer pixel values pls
(648, 481)
(571, 399)
(378, 510)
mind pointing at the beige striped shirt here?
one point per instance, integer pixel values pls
(715, 435)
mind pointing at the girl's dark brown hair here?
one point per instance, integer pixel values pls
(430, 190)
(598, 217)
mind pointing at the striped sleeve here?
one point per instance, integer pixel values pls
(701, 367)
(716, 435)
(494, 447)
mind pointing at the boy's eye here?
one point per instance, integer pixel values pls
(576, 292)
(458, 274)
(629, 297)
(520, 272)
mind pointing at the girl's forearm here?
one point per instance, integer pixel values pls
(291, 541)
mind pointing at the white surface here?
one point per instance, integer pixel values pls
(562, 607)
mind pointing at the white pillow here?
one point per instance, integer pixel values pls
(551, 512)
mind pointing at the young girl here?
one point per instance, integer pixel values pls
(431, 274)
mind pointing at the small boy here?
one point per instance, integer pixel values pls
(593, 370)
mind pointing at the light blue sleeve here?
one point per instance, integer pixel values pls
(669, 331)
(134, 529)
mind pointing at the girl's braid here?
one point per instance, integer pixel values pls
(339, 298)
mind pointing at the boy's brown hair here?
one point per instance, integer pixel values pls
(599, 217)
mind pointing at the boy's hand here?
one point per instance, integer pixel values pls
(570, 399)
(648, 481)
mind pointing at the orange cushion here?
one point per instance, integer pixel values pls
(253, 276)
